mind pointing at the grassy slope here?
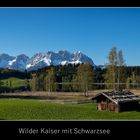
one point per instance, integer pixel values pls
(16, 82)
(17, 109)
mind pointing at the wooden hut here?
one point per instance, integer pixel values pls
(116, 101)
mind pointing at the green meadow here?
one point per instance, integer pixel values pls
(31, 109)
(13, 82)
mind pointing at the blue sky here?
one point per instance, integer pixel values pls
(93, 31)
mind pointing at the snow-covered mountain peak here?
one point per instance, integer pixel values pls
(40, 60)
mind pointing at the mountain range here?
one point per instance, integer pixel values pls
(23, 62)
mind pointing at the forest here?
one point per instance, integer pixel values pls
(116, 75)
(65, 78)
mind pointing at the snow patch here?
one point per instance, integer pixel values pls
(63, 62)
(76, 62)
(28, 66)
(11, 62)
(47, 61)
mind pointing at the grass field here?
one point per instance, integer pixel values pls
(28, 109)
(15, 82)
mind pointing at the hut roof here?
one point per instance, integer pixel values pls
(119, 97)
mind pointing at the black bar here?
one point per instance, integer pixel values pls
(70, 3)
(57, 129)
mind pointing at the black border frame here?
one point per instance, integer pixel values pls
(119, 129)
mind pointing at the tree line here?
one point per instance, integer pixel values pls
(63, 78)
(84, 77)
(81, 77)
